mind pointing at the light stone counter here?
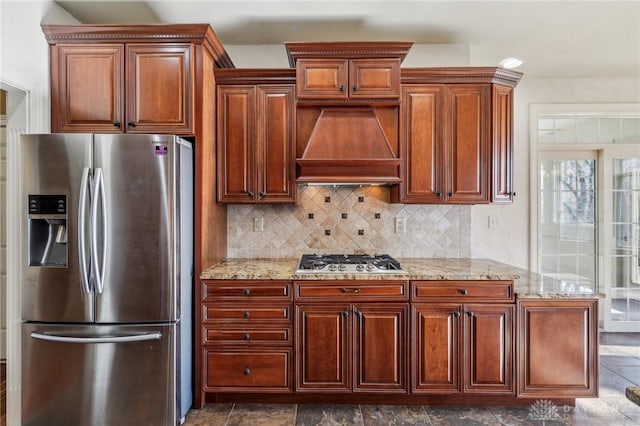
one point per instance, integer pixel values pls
(527, 284)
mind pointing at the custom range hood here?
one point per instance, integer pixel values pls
(351, 146)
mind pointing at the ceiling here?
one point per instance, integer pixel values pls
(553, 38)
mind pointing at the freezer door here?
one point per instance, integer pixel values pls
(98, 375)
(136, 228)
(53, 165)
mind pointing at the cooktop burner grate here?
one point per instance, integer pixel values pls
(341, 263)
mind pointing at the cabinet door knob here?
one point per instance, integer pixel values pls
(116, 123)
(247, 371)
(131, 124)
(246, 291)
(261, 194)
(246, 336)
(513, 193)
(341, 88)
(358, 314)
(450, 194)
(354, 87)
(470, 313)
(463, 291)
(438, 194)
(456, 314)
(246, 314)
(250, 194)
(345, 313)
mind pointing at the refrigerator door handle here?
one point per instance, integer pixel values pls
(87, 340)
(82, 248)
(99, 267)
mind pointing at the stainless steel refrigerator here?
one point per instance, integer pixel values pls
(107, 280)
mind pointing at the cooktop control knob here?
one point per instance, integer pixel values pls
(332, 267)
(342, 267)
(370, 267)
(360, 267)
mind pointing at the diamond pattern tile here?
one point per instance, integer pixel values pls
(431, 230)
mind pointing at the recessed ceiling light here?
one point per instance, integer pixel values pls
(510, 63)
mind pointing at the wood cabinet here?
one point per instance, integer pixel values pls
(122, 87)
(347, 78)
(246, 336)
(557, 348)
(345, 342)
(456, 136)
(460, 347)
(256, 144)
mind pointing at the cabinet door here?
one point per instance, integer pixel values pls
(87, 88)
(159, 88)
(276, 135)
(322, 79)
(421, 144)
(502, 187)
(435, 343)
(322, 339)
(467, 143)
(380, 348)
(488, 348)
(374, 78)
(558, 348)
(236, 143)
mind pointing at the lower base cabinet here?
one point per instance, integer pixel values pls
(460, 348)
(558, 348)
(446, 342)
(352, 348)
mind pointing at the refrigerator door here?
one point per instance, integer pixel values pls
(54, 165)
(98, 375)
(134, 256)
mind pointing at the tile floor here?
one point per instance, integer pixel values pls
(619, 368)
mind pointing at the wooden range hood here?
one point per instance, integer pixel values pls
(348, 146)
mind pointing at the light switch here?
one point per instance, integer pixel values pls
(401, 225)
(258, 224)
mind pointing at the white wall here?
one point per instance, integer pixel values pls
(24, 53)
(510, 243)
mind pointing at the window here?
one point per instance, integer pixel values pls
(586, 189)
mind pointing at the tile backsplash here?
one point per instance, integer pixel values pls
(348, 219)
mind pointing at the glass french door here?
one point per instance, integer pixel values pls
(622, 245)
(567, 219)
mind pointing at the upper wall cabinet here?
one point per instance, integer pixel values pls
(456, 136)
(342, 72)
(345, 79)
(110, 79)
(256, 136)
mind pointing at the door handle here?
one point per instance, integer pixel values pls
(99, 198)
(85, 340)
(82, 247)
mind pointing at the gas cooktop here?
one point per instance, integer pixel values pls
(348, 263)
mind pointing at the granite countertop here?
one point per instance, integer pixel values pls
(527, 284)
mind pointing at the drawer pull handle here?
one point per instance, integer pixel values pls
(464, 291)
(350, 290)
(246, 314)
(247, 371)
(246, 291)
(246, 336)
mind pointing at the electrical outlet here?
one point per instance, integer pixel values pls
(495, 222)
(401, 225)
(258, 224)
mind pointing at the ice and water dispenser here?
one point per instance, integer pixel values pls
(48, 230)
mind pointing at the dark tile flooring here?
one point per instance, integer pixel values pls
(619, 368)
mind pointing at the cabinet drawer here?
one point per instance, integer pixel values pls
(250, 371)
(247, 313)
(246, 290)
(477, 291)
(247, 335)
(349, 290)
